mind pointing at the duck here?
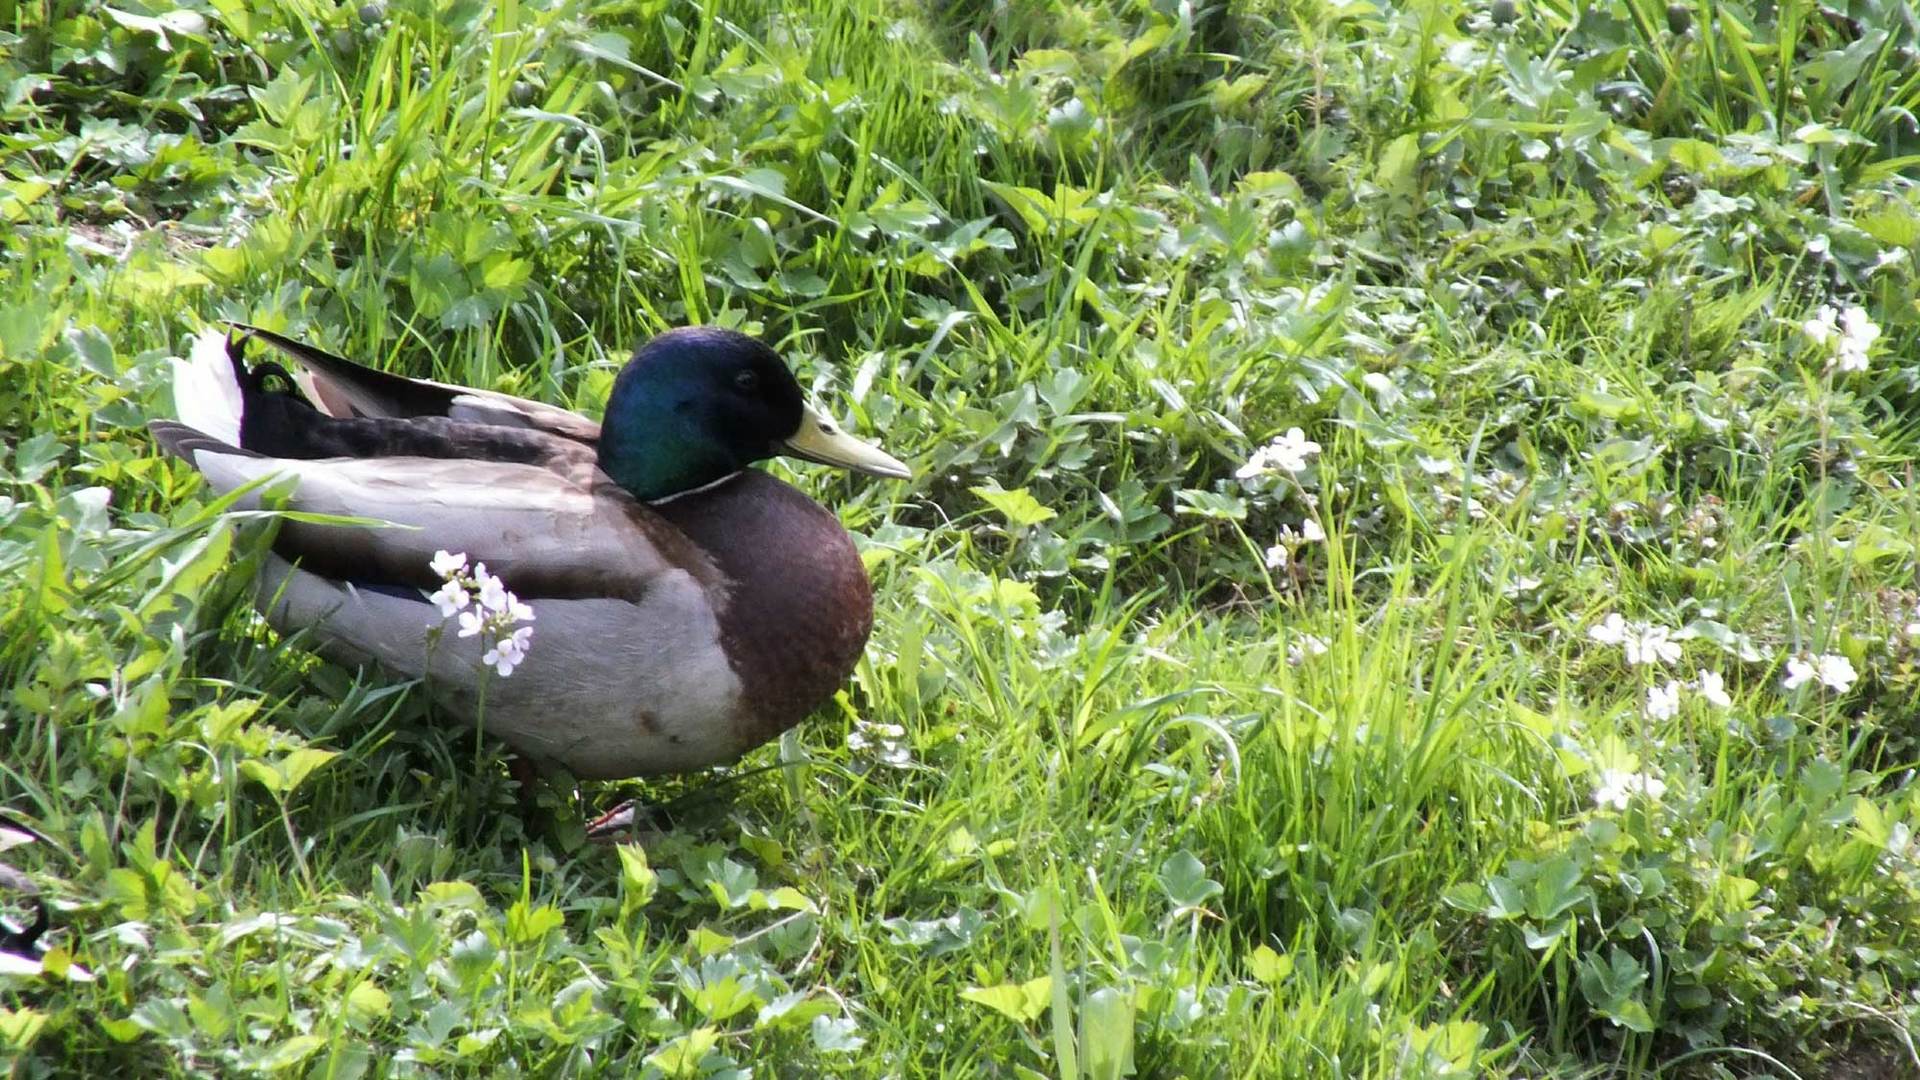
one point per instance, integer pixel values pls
(681, 606)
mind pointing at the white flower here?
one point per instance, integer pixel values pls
(1382, 388)
(506, 654)
(1856, 324)
(1857, 335)
(1823, 326)
(1281, 553)
(1663, 702)
(886, 740)
(493, 592)
(1653, 645)
(1286, 453)
(1304, 647)
(1831, 669)
(1847, 335)
(451, 598)
(489, 619)
(518, 610)
(1617, 788)
(1645, 643)
(1714, 689)
(1290, 452)
(1611, 630)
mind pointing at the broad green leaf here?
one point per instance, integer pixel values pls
(1399, 165)
(178, 21)
(17, 195)
(1453, 1045)
(1268, 966)
(1022, 1002)
(1184, 879)
(1210, 504)
(189, 573)
(20, 1027)
(529, 924)
(1106, 1034)
(366, 1003)
(1017, 505)
(453, 894)
(721, 999)
(836, 1034)
(1607, 404)
(682, 1056)
(793, 1009)
(637, 879)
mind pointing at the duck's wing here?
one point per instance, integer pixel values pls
(259, 409)
(344, 389)
(546, 533)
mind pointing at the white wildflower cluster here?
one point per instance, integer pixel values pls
(887, 742)
(1831, 670)
(1288, 453)
(486, 608)
(1616, 788)
(1644, 643)
(1651, 643)
(1847, 336)
(1663, 701)
(1290, 541)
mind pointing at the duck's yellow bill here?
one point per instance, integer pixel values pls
(820, 439)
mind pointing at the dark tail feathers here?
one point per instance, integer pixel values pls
(181, 441)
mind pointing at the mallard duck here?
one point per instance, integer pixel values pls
(687, 607)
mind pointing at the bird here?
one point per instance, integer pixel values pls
(684, 606)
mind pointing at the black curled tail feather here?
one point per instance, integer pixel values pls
(369, 391)
(236, 348)
(276, 419)
(251, 380)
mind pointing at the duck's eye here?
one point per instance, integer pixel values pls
(747, 381)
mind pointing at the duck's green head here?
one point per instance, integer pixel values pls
(699, 403)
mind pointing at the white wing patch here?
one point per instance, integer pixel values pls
(205, 395)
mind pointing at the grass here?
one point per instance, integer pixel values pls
(1113, 792)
